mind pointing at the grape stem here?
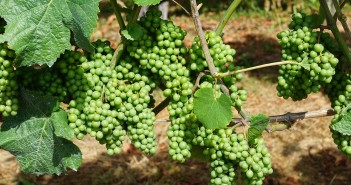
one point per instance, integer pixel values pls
(221, 75)
(333, 27)
(209, 60)
(342, 19)
(286, 121)
(227, 16)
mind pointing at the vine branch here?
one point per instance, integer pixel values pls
(227, 16)
(117, 12)
(185, 10)
(341, 17)
(333, 27)
(121, 46)
(288, 119)
(161, 105)
(221, 75)
(201, 35)
(285, 120)
(209, 59)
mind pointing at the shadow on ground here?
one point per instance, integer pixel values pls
(129, 169)
(257, 49)
(328, 166)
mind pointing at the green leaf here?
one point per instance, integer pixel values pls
(212, 112)
(39, 31)
(343, 126)
(146, 2)
(258, 124)
(38, 138)
(60, 129)
(133, 32)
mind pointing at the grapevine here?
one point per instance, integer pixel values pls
(58, 86)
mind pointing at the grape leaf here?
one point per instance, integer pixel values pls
(146, 2)
(343, 126)
(133, 32)
(258, 124)
(40, 140)
(211, 111)
(39, 31)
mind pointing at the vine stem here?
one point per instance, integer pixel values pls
(342, 19)
(333, 27)
(121, 46)
(227, 16)
(201, 35)
(209, 59)
(289, 119)
(286, 120)
(161, 105)
(185, 10)
(221, 75)
(118, 14)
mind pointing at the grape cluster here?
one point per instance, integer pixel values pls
(109, 103)
(132, 100)
(162, 52)
(45, 81)
(339, 93)
(315, 65)
(342, 141)
(182, 129)
(8, 82)
(232, 148)
(223, 60)
(300, 19)
(222, 172)
(220, 52)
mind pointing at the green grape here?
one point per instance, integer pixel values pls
(339, 93)
(90, 111)
(232, 148)
(342, 141)
(161, 51)
(222, 55)
(181, 131)
(44, 81)
(315, 64)
(222, 172)
(8, 82)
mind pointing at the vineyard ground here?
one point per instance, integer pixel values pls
(305, 154)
